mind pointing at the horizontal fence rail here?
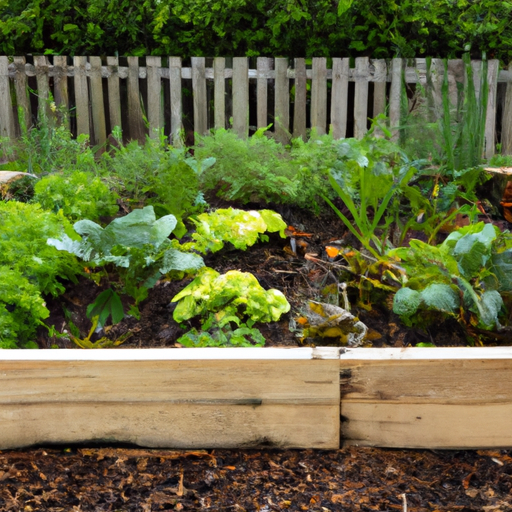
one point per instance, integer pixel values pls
(144, 95)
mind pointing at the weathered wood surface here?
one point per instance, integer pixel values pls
(506, 134)
(199, 95)
(155, 111)
(97, 106)
(6, 115)
(81, 95)
(60, 90)
(136, 123)
(282, 102)
(319, 95)
(361, 99)
(241, 96)
(299, 107)
(219, 91)
(190, 398)
(445, 398)
(490, 120)
(339, 98)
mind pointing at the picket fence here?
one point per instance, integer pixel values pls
(141, 99)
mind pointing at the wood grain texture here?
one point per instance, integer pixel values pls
(506, 133)
(282, 102)
(97, 105)
(319, 95)
(339, 97)
(361, 99)
(199, 95)
(155, 111)
(81, 95)
(299, 106)
(448, 398)
(219, 92)
(43, 85)
(21, 88)
(490, 118)
(6, 114)
(172, 403)
(395, 96)
(263, 66)
(136, 123)
(176, 103)
(241, 96)
(114, 95)
(60, 87)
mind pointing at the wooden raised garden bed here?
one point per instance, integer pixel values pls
(253, 397)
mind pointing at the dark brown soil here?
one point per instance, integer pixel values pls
(351, 479)
(276, 266)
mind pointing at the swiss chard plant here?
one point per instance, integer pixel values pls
(234, 299)
(465, 277)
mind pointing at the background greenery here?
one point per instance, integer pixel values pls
(292, 28)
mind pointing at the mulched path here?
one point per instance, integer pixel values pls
(353, 479)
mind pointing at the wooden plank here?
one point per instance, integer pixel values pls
(98, 107)
(114, 94)
(493, 67)
(395, 96)
(241, 96)
(434, 84)
(319, 95)
(199, 95)
(43, 86)
(60, 87)
(176, 104)
(81, 95)
(455, 75)
(361, 98)
(506, 133)
(282, 101)
(280, 398)
(155, 113)
(21, 88)
(6, 115)
(379, 88)
(339, 97)
(135, 121)
(219, 91)
(263, 67)
(299, 106)
(427, 398)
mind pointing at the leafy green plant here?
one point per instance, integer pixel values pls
(22, 310)
(238, 227)
(156, 174)
(23, 234)
(139, 248)
(79, 195)
(221, 300)
(464, 277)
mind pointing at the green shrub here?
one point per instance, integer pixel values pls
(79, 195)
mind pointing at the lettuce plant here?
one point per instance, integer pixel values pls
(222, 300)
(464, 277)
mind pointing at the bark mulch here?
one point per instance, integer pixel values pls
(360, 479)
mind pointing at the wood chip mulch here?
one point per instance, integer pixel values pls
(83, 479)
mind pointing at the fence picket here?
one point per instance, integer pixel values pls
(506, 133)
(176, 104)
(263, 66)
(43, 85)
(97, 107)
(81, 95)
(493, 67)
(114, 95)
(219, 92)
(241, 96)
(319, 95)
(155, 114)
(6, 116)
(395, 95)
(199, 95)
(299, 106)
(136, 123)
(339, 98)
(60, 91)
(282, 101)
(379, 91)
(21, 88)
(361, 98)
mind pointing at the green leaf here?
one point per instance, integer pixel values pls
(490, 306)
(107, 303)
(406, 302)
(441, 297)
(174, 259)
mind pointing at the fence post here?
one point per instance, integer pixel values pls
(6, 117)
(361, 97)
(219, 92)
(20, 83)
(339, 96)
(153, 66)
(81, 96)
(263, 67)
(282, 101)
(199, 95)
(490, 118)
(299, 107)
(60, 80)
(506, 133)
(176, 106)
(395, 96)
(241, 96)
(135, 120)
(114, 96)
(43, 86)
(98, 109)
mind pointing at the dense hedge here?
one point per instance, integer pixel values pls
(378, 28)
